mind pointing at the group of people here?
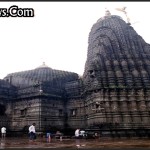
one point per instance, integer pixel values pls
(79, 133)
(32, 133)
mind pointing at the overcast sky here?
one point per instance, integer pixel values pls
(58, 34)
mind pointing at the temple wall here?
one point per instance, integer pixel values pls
(52, 113)
(127, 108)
(76, 113)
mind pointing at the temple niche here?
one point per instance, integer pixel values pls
(112, 95)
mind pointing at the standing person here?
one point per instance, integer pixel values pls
(77, 136)
(32, 133)
(77, 133)
(3, 132)
(48, 136)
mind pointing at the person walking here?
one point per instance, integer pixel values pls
(77, 136)
(32, 133)
(3, 132)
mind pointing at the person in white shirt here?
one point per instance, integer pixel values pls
(77, 136)
(77, 133)
(3, 132)
(32, 133)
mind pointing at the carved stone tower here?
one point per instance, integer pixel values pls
(117, 76)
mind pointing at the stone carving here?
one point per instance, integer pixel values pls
(122, 70)
(113, 91)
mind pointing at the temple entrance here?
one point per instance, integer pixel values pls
(4, 121)
(2, 110)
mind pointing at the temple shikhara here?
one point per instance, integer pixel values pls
(112, 95)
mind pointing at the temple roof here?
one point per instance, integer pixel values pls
(40, 74)
(6, 90)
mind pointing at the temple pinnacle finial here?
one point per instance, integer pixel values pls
(43, 65)
(107, 12)
(125, 12)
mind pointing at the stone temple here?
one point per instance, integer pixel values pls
(113, 93)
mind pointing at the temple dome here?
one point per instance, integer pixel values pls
(40, 74)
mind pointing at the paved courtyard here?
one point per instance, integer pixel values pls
(72, 143)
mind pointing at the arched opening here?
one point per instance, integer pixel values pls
(2, 110)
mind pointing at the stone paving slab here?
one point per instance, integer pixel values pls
(41, 143)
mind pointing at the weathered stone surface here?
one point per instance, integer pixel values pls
(112, 94)
(117, 68)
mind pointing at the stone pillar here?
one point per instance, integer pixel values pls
(142, 107)
(133, 106)
(113, 105)
(104, 78)
(123, 100)
(107, 106)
